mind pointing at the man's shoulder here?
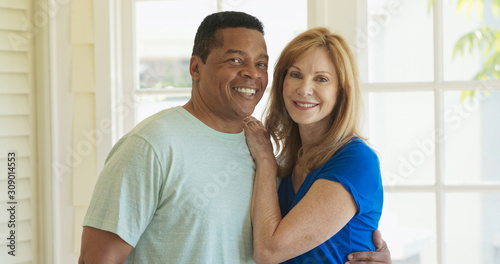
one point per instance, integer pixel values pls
(161, 124)
(158, 131)
(155, 133)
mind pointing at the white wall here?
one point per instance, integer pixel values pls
(62, 132)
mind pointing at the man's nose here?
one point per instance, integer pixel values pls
(250, 71)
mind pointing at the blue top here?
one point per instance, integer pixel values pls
(356, 167)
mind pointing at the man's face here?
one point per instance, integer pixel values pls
(234, 77)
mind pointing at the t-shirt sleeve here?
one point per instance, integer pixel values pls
(357, 168)
(126, 194)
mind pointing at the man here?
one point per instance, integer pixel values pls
(177, 188)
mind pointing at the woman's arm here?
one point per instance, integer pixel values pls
(311, 222)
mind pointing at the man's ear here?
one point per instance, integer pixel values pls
(194, 67)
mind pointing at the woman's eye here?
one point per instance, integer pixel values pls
(322, 79)
(294, 75)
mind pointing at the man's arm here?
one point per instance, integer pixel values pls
(380, 256)
(102, 247)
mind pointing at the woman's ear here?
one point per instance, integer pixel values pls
(194, 67)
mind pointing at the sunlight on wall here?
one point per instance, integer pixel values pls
(84, 165)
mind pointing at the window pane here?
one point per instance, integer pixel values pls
(151, 104)
(282, 19)
(472, 144)
(399, 35)
(408, 225)
(163, 44)
(465, 24)
(472, 228)
(402, 132)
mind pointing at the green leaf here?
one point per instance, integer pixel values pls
(485, 39)
(489, 38)
(471, 39)
(496, 7)
(459, 47)
(467, 94)
(463, 42)
(469, 4)
(480, 8)
(429, 5)
(460, 5)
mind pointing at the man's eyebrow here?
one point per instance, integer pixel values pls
(264, 56)
(242, 53)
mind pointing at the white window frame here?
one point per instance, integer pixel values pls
(439, 86)
(45, 127)
(116, 83)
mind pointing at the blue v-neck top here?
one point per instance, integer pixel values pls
(356, 167)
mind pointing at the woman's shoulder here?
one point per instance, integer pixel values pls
(356, 148)
(355, 162)
(354, 155)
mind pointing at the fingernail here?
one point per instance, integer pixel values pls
(349, 257)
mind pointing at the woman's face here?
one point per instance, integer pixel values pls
(310, 89)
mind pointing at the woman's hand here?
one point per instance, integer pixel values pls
(258, 141)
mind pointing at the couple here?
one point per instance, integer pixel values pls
(178, 187)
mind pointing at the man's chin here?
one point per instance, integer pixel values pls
(245, 111)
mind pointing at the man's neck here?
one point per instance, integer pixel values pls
(211, 119)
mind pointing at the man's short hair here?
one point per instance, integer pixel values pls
(205, 39)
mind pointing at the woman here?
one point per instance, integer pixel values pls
(330, 198)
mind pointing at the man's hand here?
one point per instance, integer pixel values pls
(381, 255)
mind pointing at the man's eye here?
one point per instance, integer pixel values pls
(235, 60)
(262, 64)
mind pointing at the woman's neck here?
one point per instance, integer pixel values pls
(309, 134)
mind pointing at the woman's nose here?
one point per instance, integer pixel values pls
(305, 88)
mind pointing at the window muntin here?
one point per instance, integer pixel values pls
(163, 46)
(452, 134)
(399, 38)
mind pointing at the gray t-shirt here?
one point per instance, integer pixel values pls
(178, 192)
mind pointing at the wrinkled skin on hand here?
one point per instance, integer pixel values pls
(258, 140)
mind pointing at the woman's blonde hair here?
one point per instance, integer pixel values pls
(344, 119)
